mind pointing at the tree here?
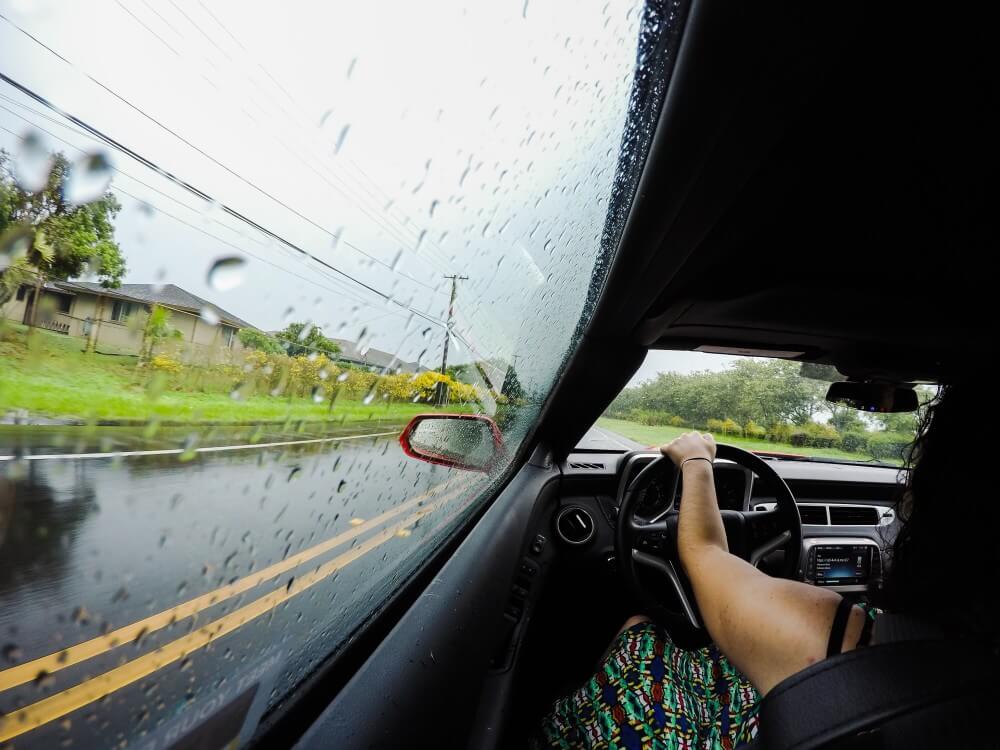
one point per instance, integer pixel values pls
(300, 339)
(766, 393)
(78, 235)
(23, 268)
(845, 418)
(157, 328)
(254, 339)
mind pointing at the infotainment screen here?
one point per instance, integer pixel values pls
(841, 564)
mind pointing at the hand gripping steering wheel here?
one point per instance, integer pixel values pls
(653, 544)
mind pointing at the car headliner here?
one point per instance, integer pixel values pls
(814, 185)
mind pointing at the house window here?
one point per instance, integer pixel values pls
(228, 334)
(63, 303)
(22, 292)
(120, 310)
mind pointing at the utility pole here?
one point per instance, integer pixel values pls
(442, 388)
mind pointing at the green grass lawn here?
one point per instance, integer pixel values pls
(53, 378)
(657, 435)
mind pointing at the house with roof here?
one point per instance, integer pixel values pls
(373, 359)
(106, 317)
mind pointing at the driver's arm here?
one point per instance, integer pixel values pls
(769, 628)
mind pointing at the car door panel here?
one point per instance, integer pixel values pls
(422, 685)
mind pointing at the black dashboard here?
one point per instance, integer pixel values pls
(847, 510)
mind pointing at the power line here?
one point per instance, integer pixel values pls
(422, 236)
(206, 197)
(340, 291)
(188, 143)
(201, 194)
(364, 209)
(388, 216)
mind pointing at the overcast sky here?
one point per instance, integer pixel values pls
(658, 361)
(396, 143)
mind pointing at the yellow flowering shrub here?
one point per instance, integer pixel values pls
(165, 364)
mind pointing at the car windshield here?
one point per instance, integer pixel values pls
(764, 405)
(241, 246)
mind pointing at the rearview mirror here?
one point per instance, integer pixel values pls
(462, 441)
(874, 397)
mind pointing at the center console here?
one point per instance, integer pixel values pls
(846, 564)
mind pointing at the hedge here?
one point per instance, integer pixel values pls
(315, 377)
(879, 445)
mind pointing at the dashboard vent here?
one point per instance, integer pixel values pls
(853, 516)
(813, 514)
(577, 465)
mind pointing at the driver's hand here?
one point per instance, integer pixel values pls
(689, 445)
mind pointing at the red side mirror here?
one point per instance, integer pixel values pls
(462, 441)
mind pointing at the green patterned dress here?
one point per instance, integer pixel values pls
(648, 694)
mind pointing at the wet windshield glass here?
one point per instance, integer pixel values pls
(240, 247)
(761, 404)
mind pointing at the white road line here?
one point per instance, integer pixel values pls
(207, 449)
(606, 436)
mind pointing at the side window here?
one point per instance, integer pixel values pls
(63, 303)
(392, 222)
(120, 310)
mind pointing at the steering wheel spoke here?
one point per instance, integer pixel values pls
(766, 531)
(656, 537)
(667, 568)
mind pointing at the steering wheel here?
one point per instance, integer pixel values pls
(653, 544)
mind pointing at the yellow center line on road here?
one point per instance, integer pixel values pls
(28, 671)
(179, 451)
(55, 706)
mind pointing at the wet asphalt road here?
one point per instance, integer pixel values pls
(143, 584)
(89, 546)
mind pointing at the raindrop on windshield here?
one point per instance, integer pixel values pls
(209, 315)
(343, 376)
(370, 396)
(335, 237)
(44, 680)
(158, 282)
(318, 394)
(226, 273)
(14, 245)
(33, 163)
(12, 653)
(341, 137)
(434, 205)
(88, 179)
